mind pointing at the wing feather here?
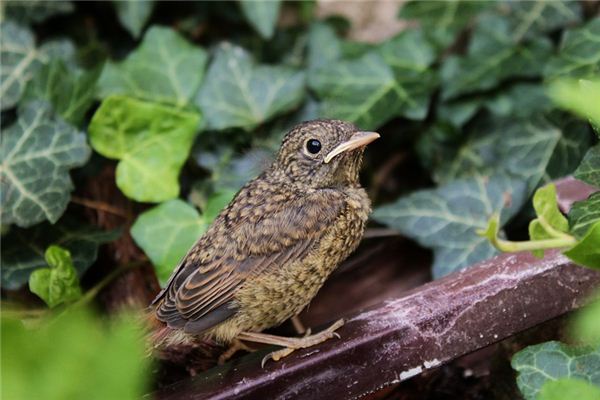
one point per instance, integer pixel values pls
(200, 294)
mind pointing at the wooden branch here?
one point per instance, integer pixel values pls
(402, 337)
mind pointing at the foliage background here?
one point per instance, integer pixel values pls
(181, 103)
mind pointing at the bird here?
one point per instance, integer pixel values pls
(266, 255)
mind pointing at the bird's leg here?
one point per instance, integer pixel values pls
(290, 344)
(299, 326)
(235, 346)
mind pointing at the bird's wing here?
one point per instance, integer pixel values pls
(199, 296)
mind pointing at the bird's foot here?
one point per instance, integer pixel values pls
(236, 346)
(291, 344)
(304, 342)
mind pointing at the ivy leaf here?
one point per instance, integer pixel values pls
(59, 283)
(584, 214)
(410, 56)
(76, 356)
(568, 388)
(529, 149)
(238, 93)
(546, 209)
(133, 14)
(587, 252)
(262, 15)
(532, 18)
(152, 142)
(166, 233)
(323, 45)
(23, 249)
(35, 11)
(581, 97)
(71, 93)
(363, 91)
(493, 56)
(551, 361)
(447, 219)
(586, 324)
(165, 68)
(589, 169)
(20, 59)
(442, 20)
(579, 53)
(37, 153)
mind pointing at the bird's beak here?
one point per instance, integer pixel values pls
(359, 139)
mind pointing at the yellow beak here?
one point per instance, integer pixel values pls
(357, 140)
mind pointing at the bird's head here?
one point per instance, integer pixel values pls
(323, 153)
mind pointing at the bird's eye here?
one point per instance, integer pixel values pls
(313, 146)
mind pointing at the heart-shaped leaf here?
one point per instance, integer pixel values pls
(23, 249)
(262, 15)
(58, 284)
(587, 251)
(20, 58)
(589, 169)
(165, 68)
(492, 57)
(133, 14)
(37, 153)
(238, 93)
(166, 233)
(535, 365)
(363, 91)
(70, 92)
(569, 388)
(583, 214)
(35, 10)
(152, 142)
(447, 219)
(579, 53)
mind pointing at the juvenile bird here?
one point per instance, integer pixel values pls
(270, 250)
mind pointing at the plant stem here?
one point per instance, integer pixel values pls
(511, 247)
(551, 230)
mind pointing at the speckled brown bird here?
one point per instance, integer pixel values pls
(268, 253)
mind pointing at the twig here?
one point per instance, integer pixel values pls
(99, 206)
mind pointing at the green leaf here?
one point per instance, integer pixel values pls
(581, 97)
(447, 219)
(589, 169)
(587, 251)
(152, 142)
(23, 249)
(533, 18)
(238, 93)
(442, 20)
(585, 326)
(76, 356)
(529, 149)
(546, 209)
(579, 53)
(37, 153)
(71, 93)
(165, 68)
(569, 388)
(133, 14)
(59, 283)
(262, 15)
(493, 56)
(323, 46)
(20, 59)
(35, 10)
(551, 361)
(364, 91)
(584, 214)
(166, 233)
